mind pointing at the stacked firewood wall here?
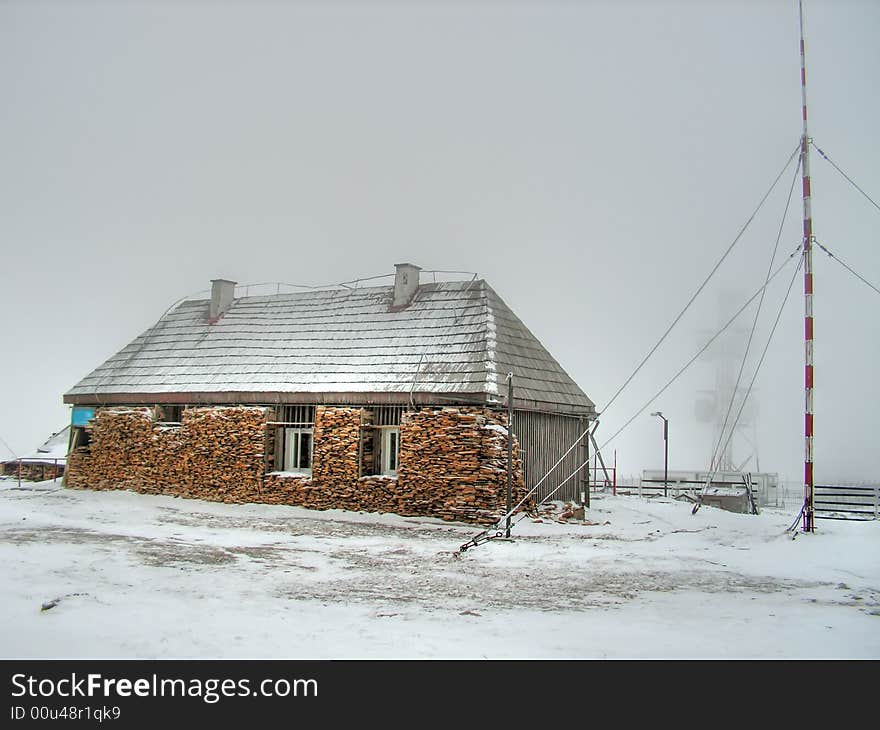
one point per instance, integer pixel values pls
(221, 454)
(120, 439)
(335, 456)
(272, 439)
(452, 463)
(334, 480)
(216, 454)
(33, 471)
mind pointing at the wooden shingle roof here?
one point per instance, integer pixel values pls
(455, 342)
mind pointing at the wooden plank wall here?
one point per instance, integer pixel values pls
(544, 438)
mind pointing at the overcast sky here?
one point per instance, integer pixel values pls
(591, 160)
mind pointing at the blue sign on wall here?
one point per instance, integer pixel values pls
(82, 415)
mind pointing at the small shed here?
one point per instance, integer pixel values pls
(48, 461)
(732, 499)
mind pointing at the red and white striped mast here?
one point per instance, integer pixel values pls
(808, 519)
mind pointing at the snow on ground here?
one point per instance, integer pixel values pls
(159, 577)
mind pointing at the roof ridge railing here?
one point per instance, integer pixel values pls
(351, 284)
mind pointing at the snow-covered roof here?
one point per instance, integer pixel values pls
(53, 450)
(456, 340)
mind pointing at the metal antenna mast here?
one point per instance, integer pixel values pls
(808, 519)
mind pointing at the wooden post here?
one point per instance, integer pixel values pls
(509, 450)
(585, 480)
(587, 461)
(74, 440)
(665, 458)
(614, 488)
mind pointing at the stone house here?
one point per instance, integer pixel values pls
(375, 398)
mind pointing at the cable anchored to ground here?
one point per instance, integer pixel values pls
(486, 535)
(705, 281)
(718, 451)
(704, 348)
(745, 399)
(717, 334)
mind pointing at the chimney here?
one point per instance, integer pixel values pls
(222, 296)
(406, 284)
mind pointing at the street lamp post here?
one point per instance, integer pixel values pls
(666, 452)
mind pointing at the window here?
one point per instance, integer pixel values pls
(294, 439)
(168, 414)
(380, 441)
(297, 456)
(389, 450)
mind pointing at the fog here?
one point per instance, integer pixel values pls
(591, 160)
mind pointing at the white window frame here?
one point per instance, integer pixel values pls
(390, 456)
(292, 448)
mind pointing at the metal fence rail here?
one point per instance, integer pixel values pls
(847, 501)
